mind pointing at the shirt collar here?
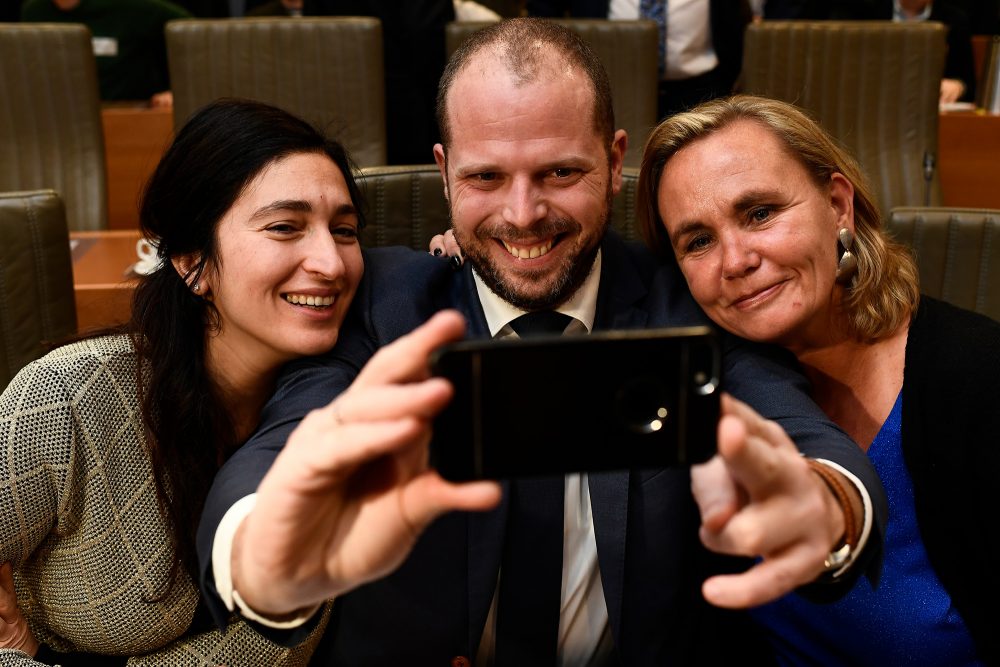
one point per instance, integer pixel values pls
(581, 306)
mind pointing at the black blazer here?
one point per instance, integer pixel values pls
(949, 434)
(434, 606)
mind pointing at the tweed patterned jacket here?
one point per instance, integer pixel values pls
(79, 520)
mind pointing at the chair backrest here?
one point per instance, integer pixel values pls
(957, 251)
(327, 70)
(874, 85)
(406, 205)
(628, 50)
(50, 129)
(36, 278)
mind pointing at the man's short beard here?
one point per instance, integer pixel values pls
(567, 279)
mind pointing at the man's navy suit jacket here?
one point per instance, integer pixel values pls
(434, 606)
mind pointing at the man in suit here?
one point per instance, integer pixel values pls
(349, 508)
(701, 42)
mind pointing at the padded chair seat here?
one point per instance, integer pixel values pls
(957, 251)
(874, 85)
(50, 131)
(327, 70)
(37, 306)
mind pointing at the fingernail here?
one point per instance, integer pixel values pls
(456, 262)
(437, 252)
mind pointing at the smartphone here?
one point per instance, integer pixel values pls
(560, 404)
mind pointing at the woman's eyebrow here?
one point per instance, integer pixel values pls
(298, 205)
(752, 198)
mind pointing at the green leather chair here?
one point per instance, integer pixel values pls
(37, 306)
(957, 251)
(326, 70)
(629, 52)
(406, 205)
(874, 85)
(50, 131)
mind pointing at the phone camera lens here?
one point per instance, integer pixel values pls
(643, 405)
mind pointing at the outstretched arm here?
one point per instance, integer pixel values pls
(760, 497)
(351, 491)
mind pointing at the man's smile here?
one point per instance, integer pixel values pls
(528, 251)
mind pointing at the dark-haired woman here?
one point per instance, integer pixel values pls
(108, 446)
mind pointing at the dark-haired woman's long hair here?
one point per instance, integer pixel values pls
(189, 434)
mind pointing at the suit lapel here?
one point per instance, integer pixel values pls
(485, 529)
(465, 297)
(621, 290)
(619, 306)
(609, 504)
(486, 534)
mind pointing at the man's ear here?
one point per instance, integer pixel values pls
(619, 144)
(442, 163)
(186, 267)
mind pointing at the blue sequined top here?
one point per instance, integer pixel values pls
(907, 620)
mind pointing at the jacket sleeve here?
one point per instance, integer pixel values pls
(37, 432)
(768, 379)
(304, 385)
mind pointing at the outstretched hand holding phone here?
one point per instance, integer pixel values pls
(352, 490)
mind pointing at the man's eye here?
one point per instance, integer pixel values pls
(281, 228)
(562, 172)
(486, 176)
(346, 232)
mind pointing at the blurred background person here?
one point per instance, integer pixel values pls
(205, 9)
(128, 39)
(701, 42)
(278, 8)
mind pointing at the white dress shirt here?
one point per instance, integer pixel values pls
(689, 50)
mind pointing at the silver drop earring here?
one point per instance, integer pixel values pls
(848, 264)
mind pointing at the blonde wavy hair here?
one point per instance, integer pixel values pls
(885, 291)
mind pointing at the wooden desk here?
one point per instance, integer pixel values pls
(135, 137)
(969, 162)
(102, 280)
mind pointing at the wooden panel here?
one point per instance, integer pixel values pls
(102, 277)
(969, 147)
(134, 139)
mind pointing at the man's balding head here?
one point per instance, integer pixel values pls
(529, 48)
